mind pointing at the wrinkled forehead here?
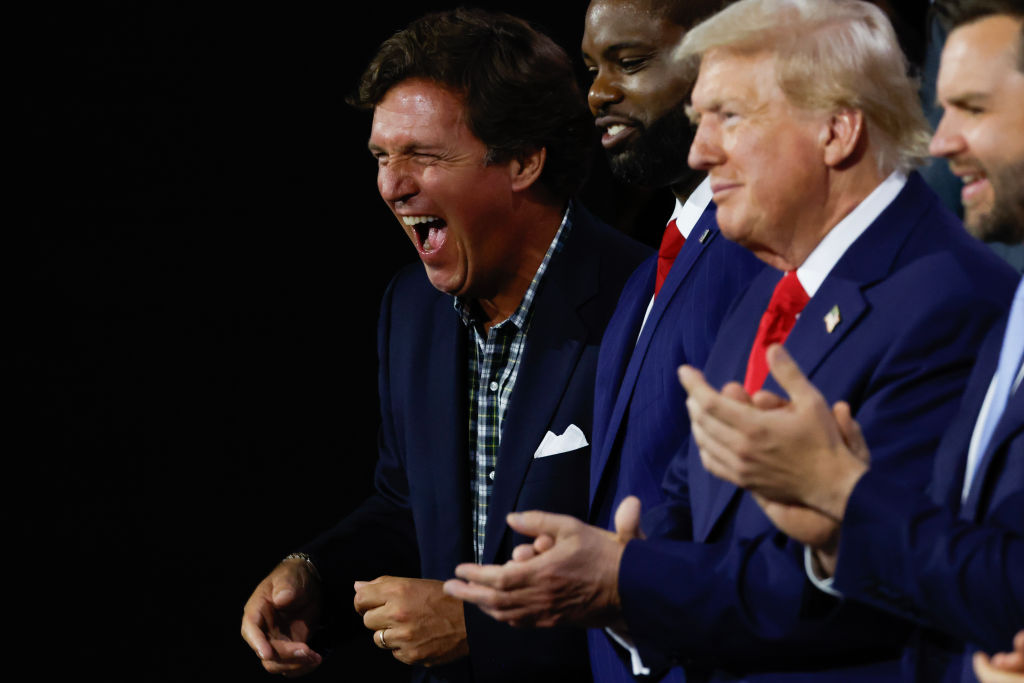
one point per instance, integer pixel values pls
(612, 23)
(418, 110)
(981, 59)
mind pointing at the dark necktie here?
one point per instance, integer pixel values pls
(671, 242)
(788, 299)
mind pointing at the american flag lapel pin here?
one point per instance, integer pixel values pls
(832, 319)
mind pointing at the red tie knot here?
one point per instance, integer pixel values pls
(671, 242)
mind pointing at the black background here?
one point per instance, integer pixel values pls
(199, 266)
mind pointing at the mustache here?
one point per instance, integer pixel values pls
(609, 112)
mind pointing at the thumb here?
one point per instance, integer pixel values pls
(849, 428)
(627, 519)
(284, 593)
(788, 374)
(534, 523)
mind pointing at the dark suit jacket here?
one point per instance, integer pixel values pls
(718, 585)
(958, 569)
(419, 521)
(640, 418)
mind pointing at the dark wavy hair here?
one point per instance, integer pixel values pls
(518, 87)
(959, 12)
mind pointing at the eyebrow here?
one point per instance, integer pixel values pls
(625, 45)
(965, 98)
(404, 149)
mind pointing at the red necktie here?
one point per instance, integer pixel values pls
(671, 242)
(788, 299)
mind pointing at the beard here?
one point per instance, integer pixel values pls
(656, 157)
(1005, 221)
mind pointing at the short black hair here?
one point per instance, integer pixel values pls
(961, 12)
(518, 87)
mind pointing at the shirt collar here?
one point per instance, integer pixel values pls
(816, 267)
(687, 214)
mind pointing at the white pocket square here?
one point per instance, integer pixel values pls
(570, 440)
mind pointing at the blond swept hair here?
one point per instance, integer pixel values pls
(830, 55)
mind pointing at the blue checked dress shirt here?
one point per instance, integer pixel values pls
(493, 367)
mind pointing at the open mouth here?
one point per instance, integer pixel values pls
(615, 128)
(430, 231)
(973, 185)
(616, 134)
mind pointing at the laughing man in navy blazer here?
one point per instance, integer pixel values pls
(487, 353)
(807, 126)
(951, 558)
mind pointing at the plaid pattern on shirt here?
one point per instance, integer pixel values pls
(493, 368)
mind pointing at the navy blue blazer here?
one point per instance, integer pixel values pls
(717, 585)
(419, 520)
(640, 418)
(957, 569)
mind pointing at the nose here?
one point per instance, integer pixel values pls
(602, 92)
(705, 151)
(395, 184)
(948, 140)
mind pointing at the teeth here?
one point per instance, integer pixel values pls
(968, 179)
(416, 220)
(616, 128)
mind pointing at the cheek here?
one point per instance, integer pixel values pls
(735, 217)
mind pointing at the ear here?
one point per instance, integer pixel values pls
(842, 135)
(527, 169)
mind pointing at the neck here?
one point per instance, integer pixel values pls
(537, 223)
(685, 186)
(844, 191)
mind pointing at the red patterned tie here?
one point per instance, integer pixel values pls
(788, 299)
(671, 242)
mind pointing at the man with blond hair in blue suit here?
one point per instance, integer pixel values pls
(950, 558)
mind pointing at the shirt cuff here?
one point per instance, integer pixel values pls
(822, 584)
(634, 655)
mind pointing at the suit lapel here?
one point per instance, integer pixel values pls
(869, 259)
(710, 495)
(555, 341)
(616, 350)
(688, 255)
(950, 459)
(1010, 424)
(809, 343)
(443, 434)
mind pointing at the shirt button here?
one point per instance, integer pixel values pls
(490, 475)
(494, 386)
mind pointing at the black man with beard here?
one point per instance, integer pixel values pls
(672, 306)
